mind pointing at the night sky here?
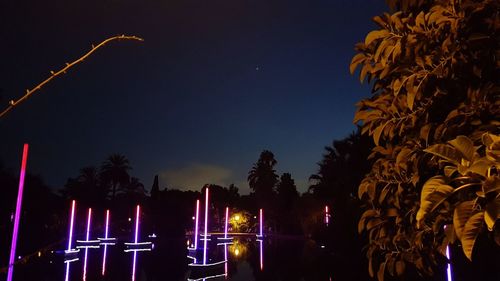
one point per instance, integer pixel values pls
(213, 84)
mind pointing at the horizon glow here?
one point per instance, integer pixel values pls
(206, 228)
(72, 219)
(227, 219)
(196, 224)
(17, 216)
(137, 224)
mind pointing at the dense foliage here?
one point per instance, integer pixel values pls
(434, 118)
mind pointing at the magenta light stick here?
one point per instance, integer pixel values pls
(206, 228)
(133, 266)
(227, 219)
(196, 224)
(261, 219)
(88, 224)
(137, 224)
(18, 213)
(105, 246)
(261, 246)
(327, 215)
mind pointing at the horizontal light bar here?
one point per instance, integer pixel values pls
(207, 264)
(137, 250)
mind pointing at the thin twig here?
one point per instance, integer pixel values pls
(53, 75)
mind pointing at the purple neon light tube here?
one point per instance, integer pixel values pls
(105, 246)
(227, 219)
(261, 219)
(196, 224)
(17, 216)
(206, 228)
(137, 224)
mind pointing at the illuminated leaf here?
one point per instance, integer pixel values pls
(374, 35)
(492, 213)
(470, 233)
(465, 146)
(400, 268)
(445, 151)
(356, 60)
(434, 192)
(461, 215)
(381, 272)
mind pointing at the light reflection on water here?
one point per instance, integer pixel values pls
(247, 259)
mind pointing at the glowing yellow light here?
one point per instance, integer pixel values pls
(39, 254)
(237, 217)
(236, 251)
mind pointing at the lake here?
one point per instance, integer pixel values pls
(247, 258)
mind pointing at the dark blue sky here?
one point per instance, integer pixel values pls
(214, 83)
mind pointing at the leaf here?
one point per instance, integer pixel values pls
(400, 267)
(481, 167)
(374, 35)
(445, 151)
(492, 213)
(470, 233)
(411, 91)
(465, 146)
(424, 132)
(402, 158)
(461, 215)
(356, 60)
(378, 131)
(381, 272)
(434, 192)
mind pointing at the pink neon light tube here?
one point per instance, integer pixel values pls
(71, 222)
(261, 246)
(261, 220)
(137, 224)
(448, 269)
(18, 213)
(327, 220)
(206, 228)
(227, 219)
(105, 246)
(107, 224)
(133, 266)
(196, 224)
(88, 224)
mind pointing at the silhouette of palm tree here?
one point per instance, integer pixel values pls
(114, 172)
(262, 178)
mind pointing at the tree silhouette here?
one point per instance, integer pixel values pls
(262, 178)
(114, 172)
(287, 191)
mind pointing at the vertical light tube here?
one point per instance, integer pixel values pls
(67, 272)
(71, 222)
(261, 220)
(261, 253)
(137, 224)
(88, 224)
(327, 215)
(18, 213)
(196, 224)
(105, 245)
(107, 225)
(225, 258)
(133, 266)
(227, 219)
(206, 228)
(448, 269)
(85, 264)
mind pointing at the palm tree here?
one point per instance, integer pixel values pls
(114, 172)
(262, 178)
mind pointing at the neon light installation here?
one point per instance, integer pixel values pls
(206, 228)
(137, 224)
(227, 219)
(261, 253)
(105, 245)
(196, 224)
(71, 223)
(17, 216)
(448, 269)
(225, 258)
(87, 249)
(327, 215)
(133, 266)
(261, 220)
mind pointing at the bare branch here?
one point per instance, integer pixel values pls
(53, 75)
